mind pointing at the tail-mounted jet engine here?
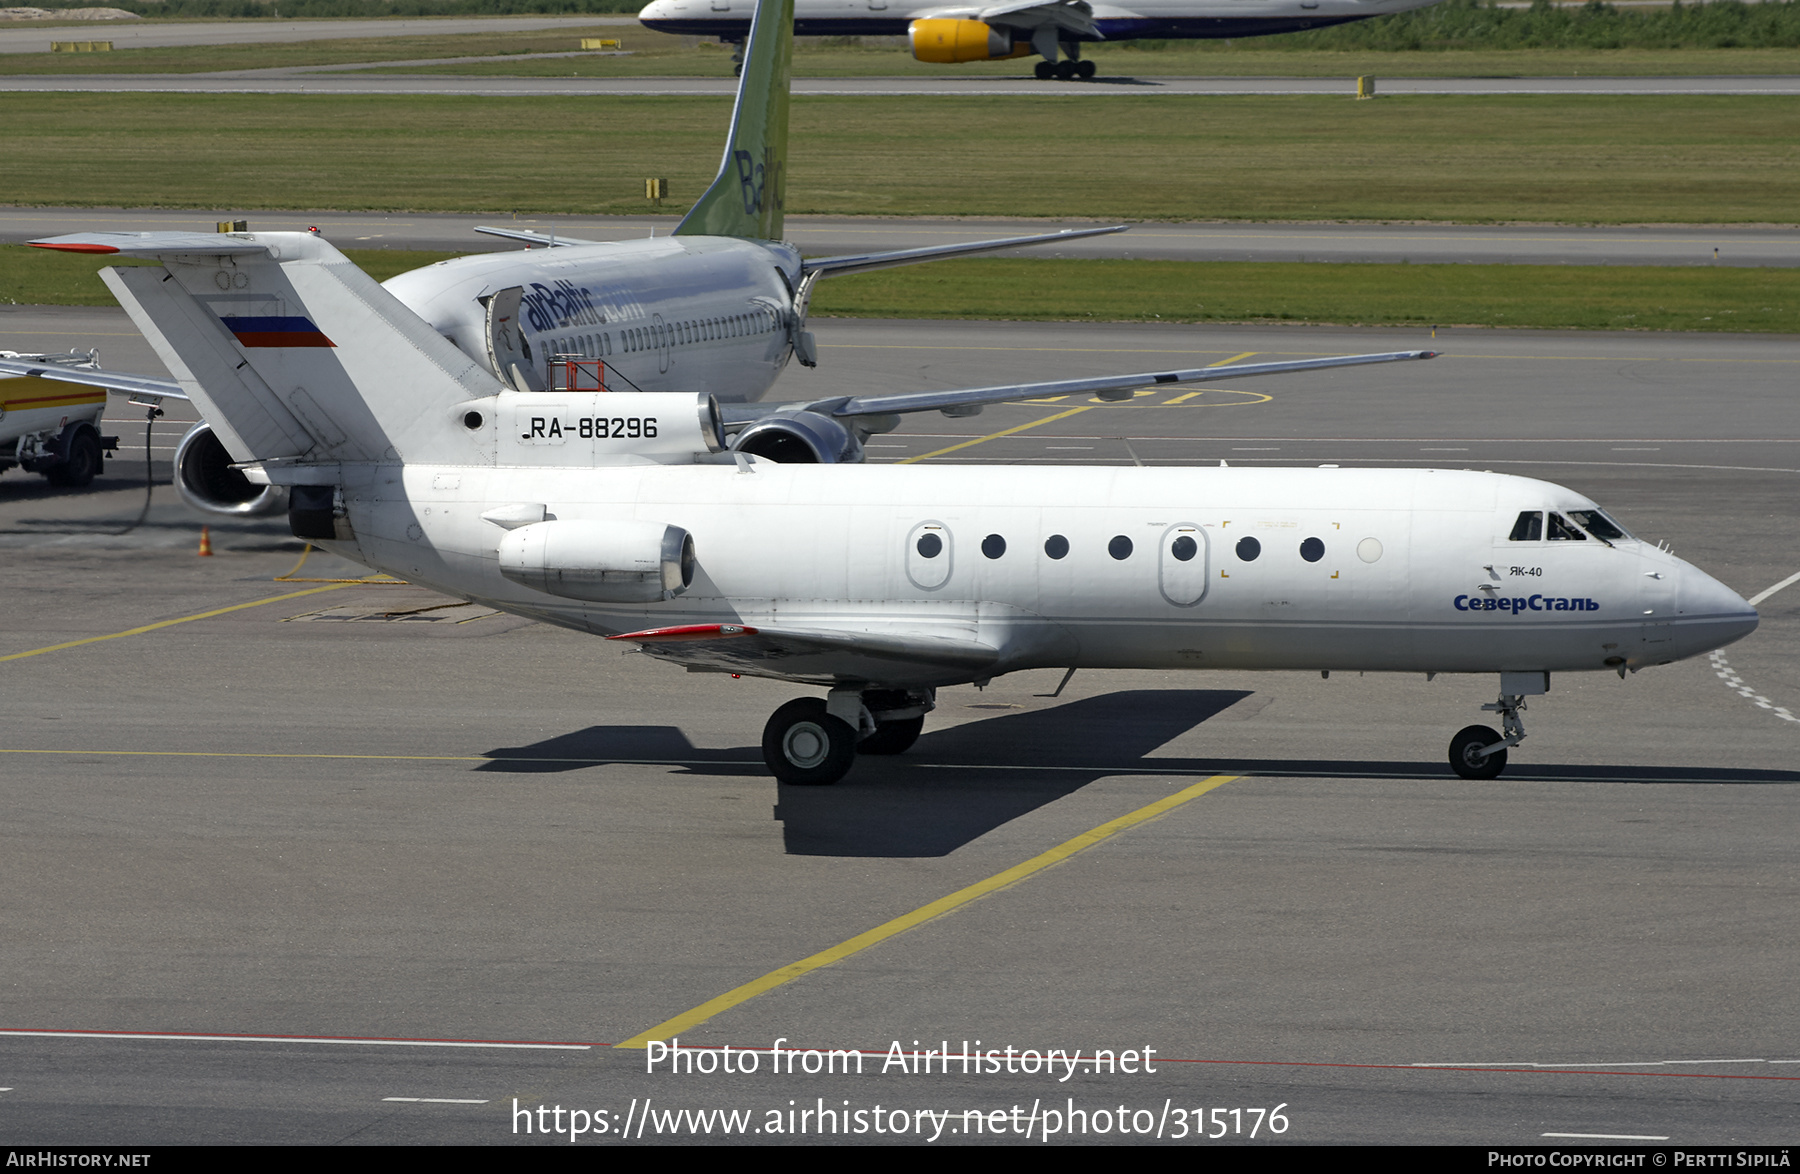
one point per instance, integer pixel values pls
(600, 561)
(948, 42)
(800, 438)
(206, 480)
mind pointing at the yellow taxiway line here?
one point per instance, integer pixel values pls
(688, 1020)
(205, 615)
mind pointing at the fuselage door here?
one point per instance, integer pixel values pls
(928, 555)
(509, 356)
(1182, 564)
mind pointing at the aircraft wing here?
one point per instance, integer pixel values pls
(1105, 387)
(812, 653)
(533, 238)
(89, 377)
(1074, 15)
(855, 263)
(864, 262)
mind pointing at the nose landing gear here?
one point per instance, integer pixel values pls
(1477, 752)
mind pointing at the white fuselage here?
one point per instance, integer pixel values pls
(1378, 570)
(1116, 22)
(680, 313)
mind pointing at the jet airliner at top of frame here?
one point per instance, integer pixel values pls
(573, 434)
(954, 33)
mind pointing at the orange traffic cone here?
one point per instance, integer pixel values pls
(205, 542)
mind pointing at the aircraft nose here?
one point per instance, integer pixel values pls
(657, 10)
(1714, 613)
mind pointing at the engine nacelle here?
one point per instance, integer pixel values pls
(206, 480)
(948, 42)
(582, 428)
(601, 561)
(800, 438)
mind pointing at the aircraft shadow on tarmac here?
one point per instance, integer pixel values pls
(960, 783)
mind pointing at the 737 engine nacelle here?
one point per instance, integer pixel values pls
(600, 561)
(948, 41)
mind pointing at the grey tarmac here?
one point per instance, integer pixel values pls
(971, 86)
(819, 236)
(344, 816)
(37, 38)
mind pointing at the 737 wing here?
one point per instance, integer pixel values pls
(864, 262)
(851, 262)
(970, 400)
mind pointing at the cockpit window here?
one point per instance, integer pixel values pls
(1562, 531)
(1529, 527)
(1599, 525)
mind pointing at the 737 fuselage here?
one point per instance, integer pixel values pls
(674, 313)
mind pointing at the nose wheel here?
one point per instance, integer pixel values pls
(1470, 756)
(1478, 752)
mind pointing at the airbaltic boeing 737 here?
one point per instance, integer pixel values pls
(742, 538)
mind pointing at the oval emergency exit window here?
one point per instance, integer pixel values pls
(928, 555)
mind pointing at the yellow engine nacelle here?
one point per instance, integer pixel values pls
(948, 42)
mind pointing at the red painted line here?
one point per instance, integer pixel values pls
(283, 338)
(688, 632)
(72, 248)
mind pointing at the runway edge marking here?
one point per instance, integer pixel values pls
(938, 908)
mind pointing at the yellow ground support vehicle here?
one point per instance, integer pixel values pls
(53, 428)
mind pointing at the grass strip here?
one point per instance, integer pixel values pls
(1547, 297)
(42, 277)
(1544, 297)
(1470, 159)
(660, 55)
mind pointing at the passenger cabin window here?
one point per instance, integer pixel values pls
(1529, 527)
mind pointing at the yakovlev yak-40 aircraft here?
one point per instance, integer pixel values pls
(439, 429)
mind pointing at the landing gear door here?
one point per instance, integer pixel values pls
(509, 355)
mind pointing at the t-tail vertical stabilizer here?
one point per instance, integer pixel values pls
(295, 355)
(747, 197)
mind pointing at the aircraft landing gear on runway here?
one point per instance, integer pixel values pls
(1478, 752)
(813, 742)
(1065, 70)
(804, 745)
(899, 717)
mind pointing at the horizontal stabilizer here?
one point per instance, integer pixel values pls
(291, 351)
(154, 244)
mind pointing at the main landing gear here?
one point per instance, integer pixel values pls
(1063, 70)
(1477, 752)
(813, 742)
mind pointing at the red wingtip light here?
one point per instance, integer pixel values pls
(72, 248)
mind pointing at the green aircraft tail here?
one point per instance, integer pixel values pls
(746, 199)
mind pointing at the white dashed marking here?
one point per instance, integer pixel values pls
(1722, 668)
